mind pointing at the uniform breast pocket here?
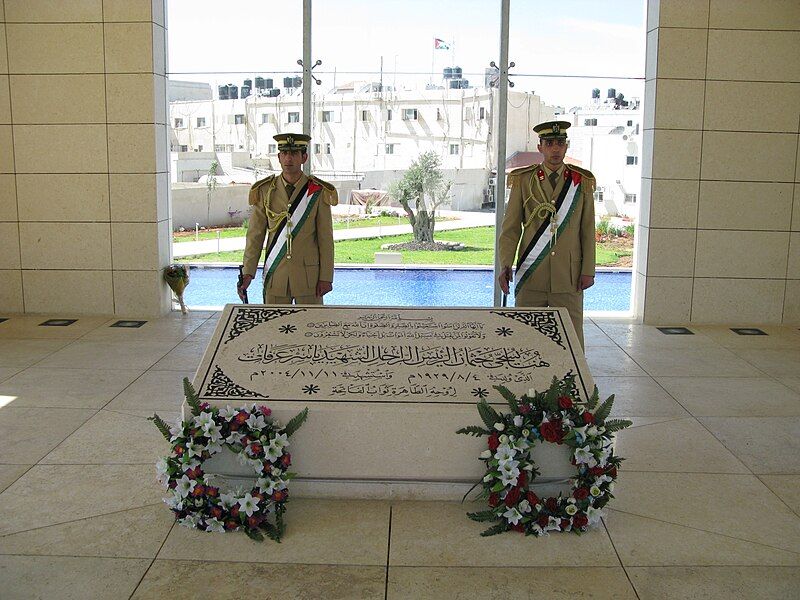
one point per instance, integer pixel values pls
(311, 265)
(575, 262)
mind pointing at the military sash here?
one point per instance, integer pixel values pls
(542, 240)
(296, 216)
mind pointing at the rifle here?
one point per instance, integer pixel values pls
(239, 284)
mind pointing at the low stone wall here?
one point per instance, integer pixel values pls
(192, 203)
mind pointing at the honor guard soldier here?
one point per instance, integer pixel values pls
(293, 212)
(552, 207)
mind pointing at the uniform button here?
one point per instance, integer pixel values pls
(552, 254)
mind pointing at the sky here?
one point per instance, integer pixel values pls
(561, 49)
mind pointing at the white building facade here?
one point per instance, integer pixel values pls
(361, 137)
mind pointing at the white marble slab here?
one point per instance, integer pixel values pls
(369, 354)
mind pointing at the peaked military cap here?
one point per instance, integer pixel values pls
(292, 141)
(552, 129)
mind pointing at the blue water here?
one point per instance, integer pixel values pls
(400, 287)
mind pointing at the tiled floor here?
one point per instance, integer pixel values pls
(707, 501)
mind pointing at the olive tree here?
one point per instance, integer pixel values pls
(421, 190)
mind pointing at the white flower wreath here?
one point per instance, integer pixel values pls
(554, 416)
(258, 441)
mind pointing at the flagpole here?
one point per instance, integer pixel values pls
(433, 50)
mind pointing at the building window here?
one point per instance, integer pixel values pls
(264, 118)
(327, 148)
(630, 123)
(223, 148)
(327, 116)
(272, 149)
(200, 148)
(238, 119)
(317, 148)
(453, 148)
(183, 148)
(201, 121)
(388, 114)
(178, 123)
(439, 114)
(409, 114)
(365, 115)
(482, 113)
(630, 198)
(598, 195)
(632, 160)
(294, 117)
(590, 121)
(389, 148)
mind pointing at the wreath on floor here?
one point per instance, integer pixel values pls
(258, 441)
(555, 416)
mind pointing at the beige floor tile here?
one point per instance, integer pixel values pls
(10, 473)
(691, 362)
(169, 329)
(791, 382)
(28, 434)
(330, 532)
(185, 357)
(51, 494)
(439, 534)
(629, 335)
(113, 437)
(680, 445)
(777, 337)
(203, 334)
(715, 583)
(732, 397)
(7, 372)
(605, 361)
(136, 533)
(782, 362)
(68, 578)
(638, 397)
(594, 336)
(764, 444)
(24, 353)
(641, 541)
(728, 504)
(108, 355)
(154, 390)
(553, 583)
(786, 487)
(66, 388)
(29, 327)
(179, 579)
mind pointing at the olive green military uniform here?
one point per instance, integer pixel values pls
(311, 258)
(555, 280)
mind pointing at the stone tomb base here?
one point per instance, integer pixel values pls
(386, 389)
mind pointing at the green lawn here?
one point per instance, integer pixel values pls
(339, 223)
(479, 250)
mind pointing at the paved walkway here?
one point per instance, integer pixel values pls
(462, 220)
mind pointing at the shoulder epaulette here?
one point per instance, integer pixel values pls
(330, 196)
(253, 196)
(511, 177)
(581, 170)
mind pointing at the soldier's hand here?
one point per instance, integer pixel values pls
(585, 282)
(506, 276)
(241, 289)
(323, 287)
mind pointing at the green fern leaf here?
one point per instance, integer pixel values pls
(593, 399)
(191, 396)
(254, 535)
(499, 528)
(482, 516)
(601, 414)
(162, 426)
(295, 422)
(617, 424)
(474, 430)
(510, 398)
(488, 415)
